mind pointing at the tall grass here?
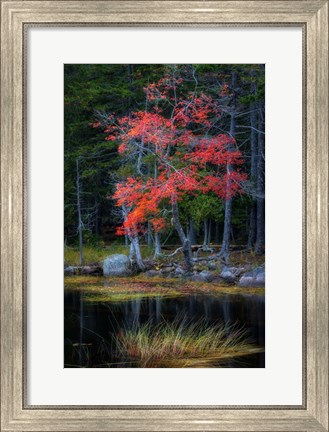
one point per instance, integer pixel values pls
(183, 344)
(93, 254)
(90, 255)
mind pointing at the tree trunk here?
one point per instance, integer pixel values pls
(157, 251)
(260, 233)
(149, 234)
(187, 251)
(137, 252)
(130, 80)
(253, 164)
(224, 252)
(97, 225)
(80, 224)
(140, 151)
(209, 232)
(252, 227)
(192, 232)
(217, 233)
(131, 252)
(205, 237)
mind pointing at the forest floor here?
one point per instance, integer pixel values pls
(166, 276)
(95, 255)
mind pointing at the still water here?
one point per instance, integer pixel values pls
(89, 327)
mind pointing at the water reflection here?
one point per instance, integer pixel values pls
(89, 327)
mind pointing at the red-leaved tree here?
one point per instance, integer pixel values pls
(174, 135)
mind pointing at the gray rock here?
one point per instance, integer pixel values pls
(167, 269)
(228, 274)
(197, 278)
(231, 274)
(149, 264)
(212, 265)
(152, 273)
(207, 275)
(204, 276)
(117, 265)
(260, 277)
(179, 270)
(69, 270)
(254, 278)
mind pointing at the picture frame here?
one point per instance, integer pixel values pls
(17, 16)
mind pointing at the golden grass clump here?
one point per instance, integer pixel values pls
(182, 344)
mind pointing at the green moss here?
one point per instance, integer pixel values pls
(78, 280)
(126, 296)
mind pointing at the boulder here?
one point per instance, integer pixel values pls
(117, 265)
(179, 271)
(197, 278)
(212, 265)
(207, 275)
(231, 274)
(70, 270)
(204, 276)
(149, 264)
(167, 269)
(254, 278)
(153, 273)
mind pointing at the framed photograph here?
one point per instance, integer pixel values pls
(164, 215)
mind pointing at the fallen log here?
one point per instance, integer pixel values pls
(81, 270)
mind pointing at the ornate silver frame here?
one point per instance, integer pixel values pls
(312, 16)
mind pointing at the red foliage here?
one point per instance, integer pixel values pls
(187, 161)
